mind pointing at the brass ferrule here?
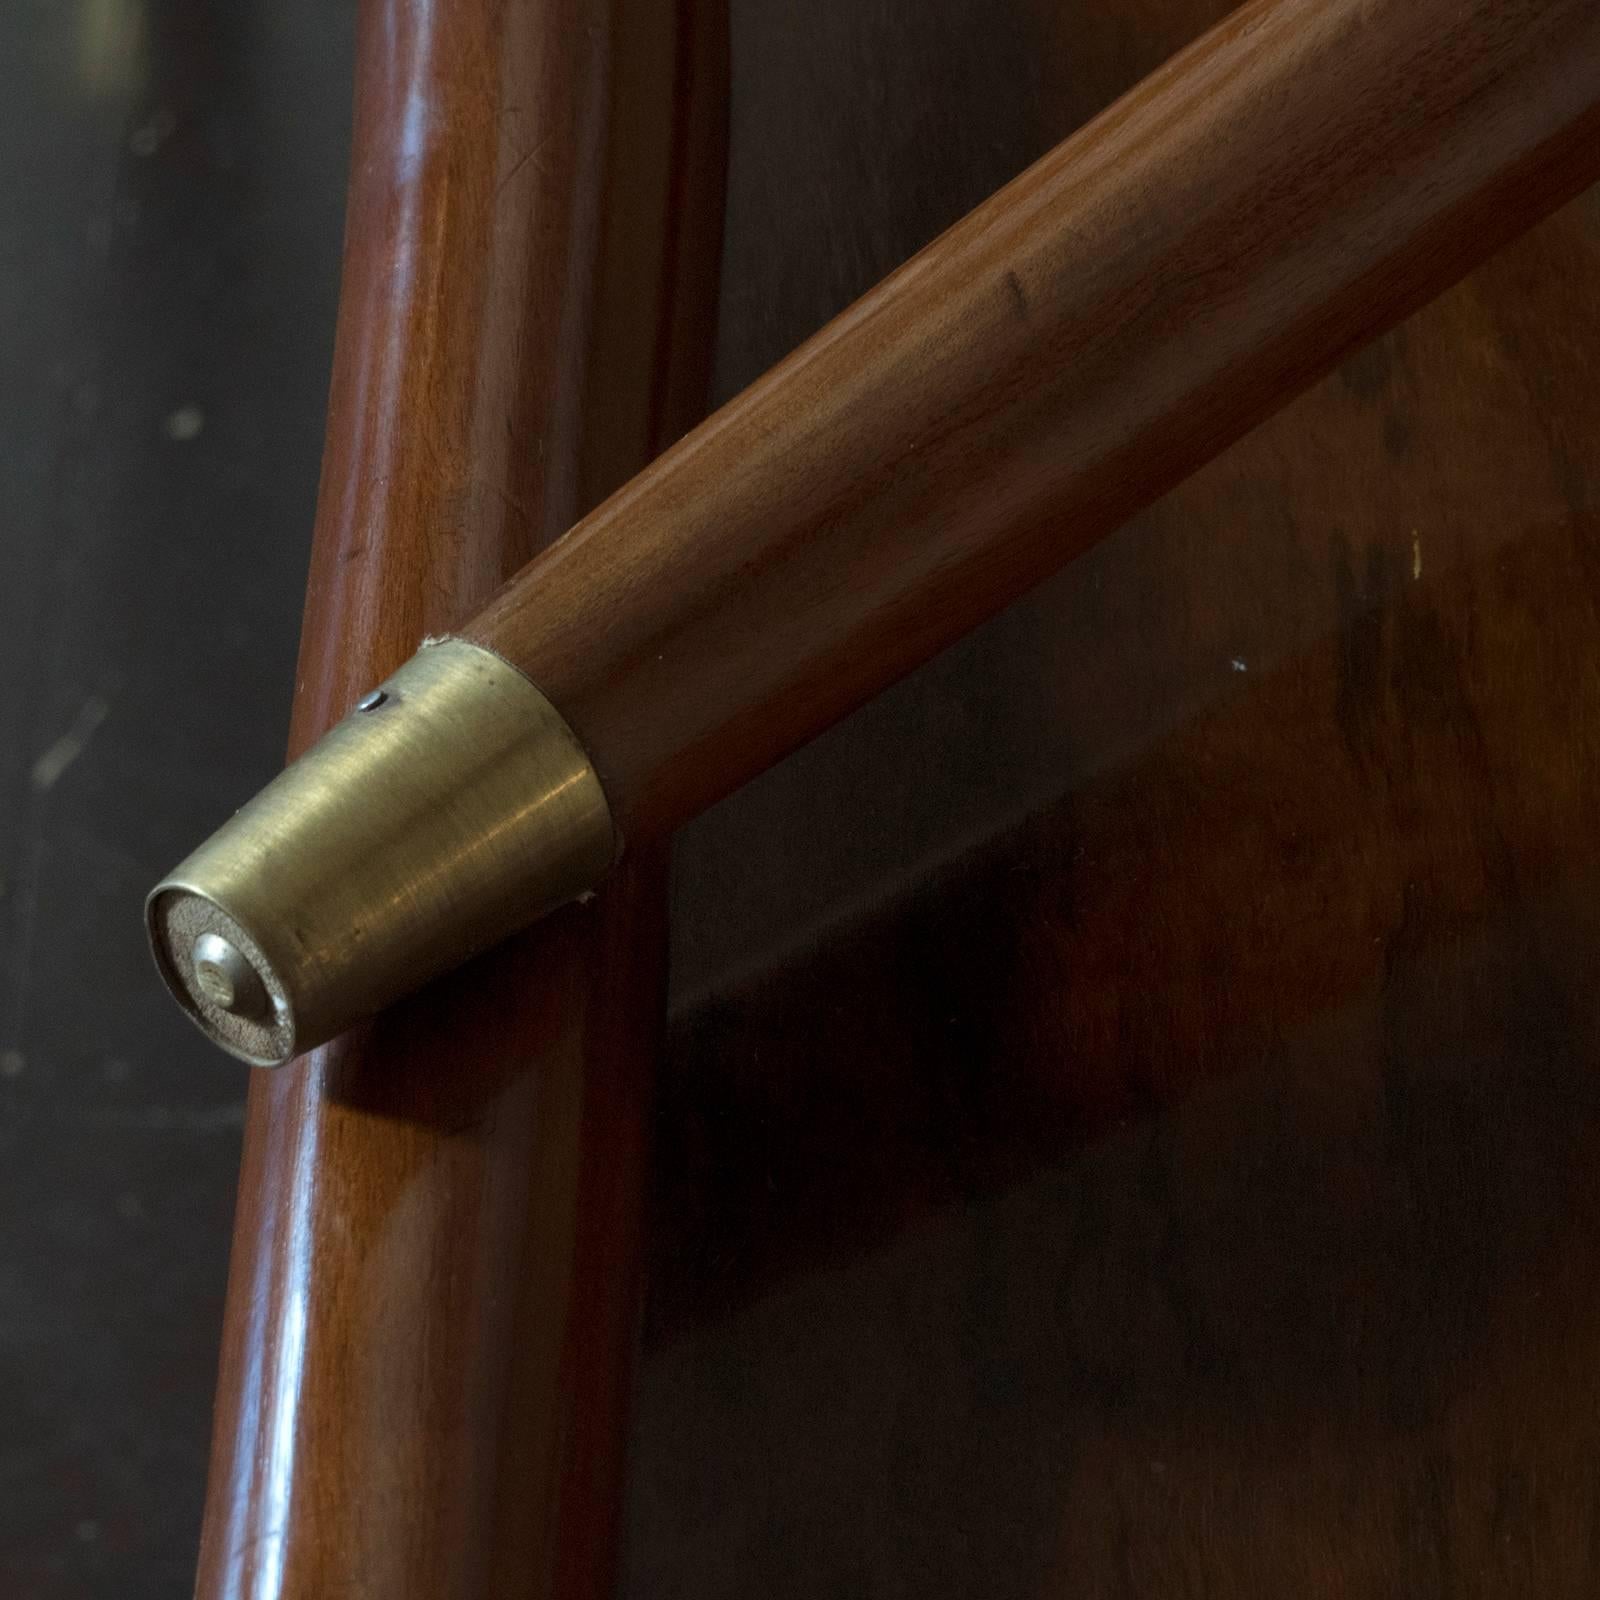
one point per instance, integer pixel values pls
(450, 809)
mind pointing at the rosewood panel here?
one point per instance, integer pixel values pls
(1132, 1115)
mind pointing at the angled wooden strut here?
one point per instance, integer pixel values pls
(1288, 187)
(431, 1308)
(1292, 184)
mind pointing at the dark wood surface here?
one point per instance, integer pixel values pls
(1302, 177)
(432, 1314)
(1132, 1115)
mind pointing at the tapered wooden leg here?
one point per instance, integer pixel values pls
(432, 1307)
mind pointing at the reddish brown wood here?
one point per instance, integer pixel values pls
(1180, 1174)
(433, 1296)
(1198, 1182)
(1292, 184)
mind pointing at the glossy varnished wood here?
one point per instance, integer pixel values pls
(1292, 184)
(1176, 1175)
(433, 1294)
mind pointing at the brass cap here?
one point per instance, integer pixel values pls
(451, 808)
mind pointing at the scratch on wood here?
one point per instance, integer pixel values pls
(1019, 298)
(522, 161)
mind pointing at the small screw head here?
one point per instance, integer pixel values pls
(225, 978)
(371, 701)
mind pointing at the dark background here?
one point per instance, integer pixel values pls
(171, 198)
(1131, 1119)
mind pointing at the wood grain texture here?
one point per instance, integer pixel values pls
(1179, 1178)
(1137, 300)
(433, 1297)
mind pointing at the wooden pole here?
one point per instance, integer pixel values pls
(1291, 185)
(431, 1309)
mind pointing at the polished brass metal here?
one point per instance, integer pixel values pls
(452, 809)
(226, 978)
